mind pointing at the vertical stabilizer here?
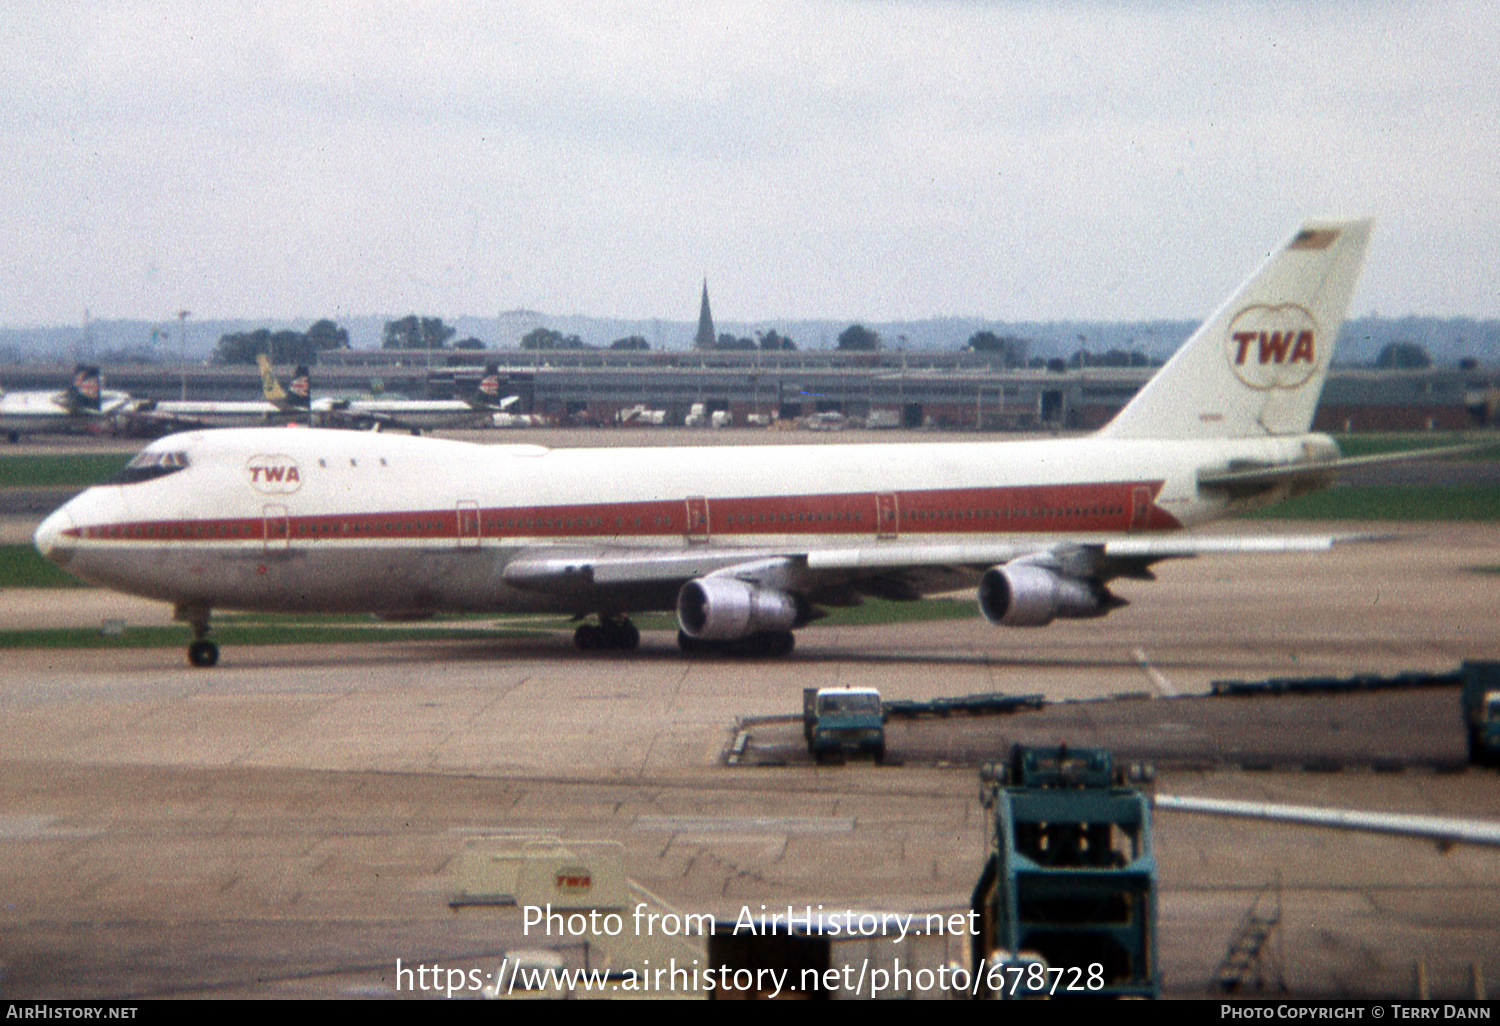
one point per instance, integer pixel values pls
(1256, 367)
(269, 386)
(83, 393)
(486, 394)
(299, 389)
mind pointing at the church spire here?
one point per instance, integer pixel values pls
(705, 339)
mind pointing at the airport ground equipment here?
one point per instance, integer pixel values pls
(1070, 883)
(988, 704)
(843, 721)
(573, 898)
(1481, 708)
(1252, 953)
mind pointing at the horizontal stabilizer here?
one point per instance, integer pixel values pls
(1316, 469)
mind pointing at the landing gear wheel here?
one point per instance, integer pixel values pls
(615, 635)
(203, 653)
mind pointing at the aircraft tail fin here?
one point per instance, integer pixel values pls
(1256, 367)
(83, 393)
(269, 386)
(299, 390)
(297, 396)
(486, 394)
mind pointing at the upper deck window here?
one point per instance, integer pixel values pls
(150, 464)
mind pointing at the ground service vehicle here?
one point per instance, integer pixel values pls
(843, 721)
(1481, 705)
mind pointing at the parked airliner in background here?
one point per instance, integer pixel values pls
(295, 404)
(745, 543)
(80, 406)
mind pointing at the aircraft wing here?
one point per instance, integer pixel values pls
(894, 569)
(1445, 830)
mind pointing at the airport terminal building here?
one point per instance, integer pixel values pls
(912, 389)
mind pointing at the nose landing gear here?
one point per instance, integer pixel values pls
(201, 653)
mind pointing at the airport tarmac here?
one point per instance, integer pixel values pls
(287, 824)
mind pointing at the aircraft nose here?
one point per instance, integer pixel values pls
(53, 538)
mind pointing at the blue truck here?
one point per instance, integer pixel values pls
(839, 722)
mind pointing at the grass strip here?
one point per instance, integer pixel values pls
(1390, 502)
(261, 634)
(35, 471)
(22, 566)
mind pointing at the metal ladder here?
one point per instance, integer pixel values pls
(1247, 948)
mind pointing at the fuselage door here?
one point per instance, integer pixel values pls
(468, 524)
(887, 523)
(278, 529)
(1140, 508)
(697, 519)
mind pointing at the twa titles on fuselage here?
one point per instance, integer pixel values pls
(745, 543)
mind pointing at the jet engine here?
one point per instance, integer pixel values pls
(727, 609)
(1028, 595)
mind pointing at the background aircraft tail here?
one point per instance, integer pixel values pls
(299, 390)
(486, 394)
(270, 388)
(1256, 367)
(297, 397)
(83, 390)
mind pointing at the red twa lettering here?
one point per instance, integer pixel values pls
(1275, 346)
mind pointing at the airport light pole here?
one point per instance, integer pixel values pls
(182, 316)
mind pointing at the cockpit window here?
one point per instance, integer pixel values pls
(150, 464)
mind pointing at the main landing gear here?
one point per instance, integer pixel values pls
(611, 634)
(202, 653)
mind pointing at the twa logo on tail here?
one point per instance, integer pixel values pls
(1273, 346)
(273, 475)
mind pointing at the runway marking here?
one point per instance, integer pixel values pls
(26, 828)
(1158, 679)
(746, 824)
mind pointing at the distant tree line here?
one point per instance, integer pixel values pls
(1011, 348)
(1403, 356)
(413, 332)
(766, 341)
(281, 346)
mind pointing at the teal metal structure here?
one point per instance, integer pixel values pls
(1069, 889)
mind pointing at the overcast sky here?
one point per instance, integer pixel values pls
(842, 160)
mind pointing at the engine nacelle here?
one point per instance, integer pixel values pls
(727, 609)
(1027, 595)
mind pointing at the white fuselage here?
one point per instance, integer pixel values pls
(289, 519)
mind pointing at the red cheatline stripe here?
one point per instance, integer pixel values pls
(1049, 508)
